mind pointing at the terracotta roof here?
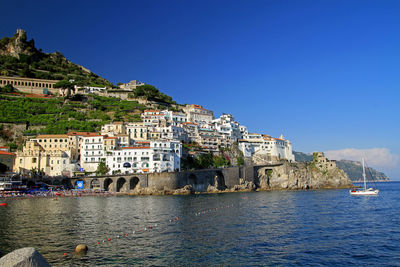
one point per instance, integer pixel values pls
(152, 110)
(136, 147)
(143, 142)
(193, 123)
(6, 153)
(82, 133)
(4, 147)
(38, 96)
(110, 137)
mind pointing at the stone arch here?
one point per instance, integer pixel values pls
(121, 182)
(66, 182)
(30, 184)
(219, 181)
(95, 184)
(107, 183)
(133, 183)
(193, 179)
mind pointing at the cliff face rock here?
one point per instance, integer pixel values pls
(17, 45)
(302, 176)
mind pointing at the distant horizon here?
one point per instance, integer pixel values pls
(323, 74)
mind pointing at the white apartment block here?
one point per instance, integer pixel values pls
(92, 152)
(227, 127)
(198, 114)
(274, 149)
(154, 156)
(175, 118)
(171, 133)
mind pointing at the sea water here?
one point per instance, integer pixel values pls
(290, 228)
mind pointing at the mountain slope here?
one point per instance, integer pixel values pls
(19, 57)
(353, 169)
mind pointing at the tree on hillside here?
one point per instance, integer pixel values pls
(8, 88)
(64, 84)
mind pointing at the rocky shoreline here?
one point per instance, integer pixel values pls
(288, 176)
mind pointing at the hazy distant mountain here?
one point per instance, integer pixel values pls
(353, 169)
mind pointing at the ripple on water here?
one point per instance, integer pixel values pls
(318, 228)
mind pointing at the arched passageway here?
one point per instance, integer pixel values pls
(220, 181)
(107, 184)
(95, 184)
(133, 183)
(120, 184)
(192, 179)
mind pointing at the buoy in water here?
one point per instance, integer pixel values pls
(109, 239)
(3, 204)
(126, 234)
(81, 248)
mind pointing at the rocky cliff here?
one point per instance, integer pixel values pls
(353, 169)
(301, 176)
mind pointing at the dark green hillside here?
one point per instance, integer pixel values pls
(19, 57)
(353, 169)
(57, 116)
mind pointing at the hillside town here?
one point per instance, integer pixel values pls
(153, 145)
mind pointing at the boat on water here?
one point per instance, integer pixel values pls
(364, 191)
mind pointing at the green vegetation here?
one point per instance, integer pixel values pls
(33, 63)
(150, 92)
(58, 116)
(102, 168)
(204, 161)
(8, 88)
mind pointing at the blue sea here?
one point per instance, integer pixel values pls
(274, 228)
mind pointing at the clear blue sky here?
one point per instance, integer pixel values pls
(323, 73)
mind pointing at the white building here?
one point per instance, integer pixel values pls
(274, 149)
(92, 152)
(154, 156)
(198, 114)
(227, 127)
(175, 118)
(172, 133)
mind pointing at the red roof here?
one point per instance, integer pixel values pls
(6, 153)
(83, 133)
(38, 96)
(7, 147)
(136, 147)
